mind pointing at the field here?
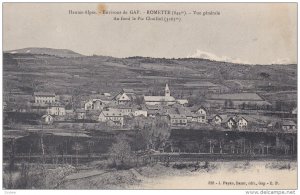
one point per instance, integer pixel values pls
(269, 174)
(232, 175)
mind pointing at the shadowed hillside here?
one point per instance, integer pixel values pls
(64, 71)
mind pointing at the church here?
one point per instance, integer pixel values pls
(161, 100)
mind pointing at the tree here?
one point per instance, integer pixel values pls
(212, 144)
(120, 150)
(77, 147)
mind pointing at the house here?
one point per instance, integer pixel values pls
(161, 100)
(153, 110)
(95, 104)
(201, 115)
(113, 116)
(178, 120)
(80, 114)
(183, 111)
(229, 122)
(125, 110)
(140, 113)
(182, 101)
(217, 120)
(125, 96)
(122, 98)
(56, 110)
(289, 125)
(44, 97)
(201, 111)
(47, 119)
(200, 118)
(242, 122)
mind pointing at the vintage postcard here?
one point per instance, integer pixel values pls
(150, 96)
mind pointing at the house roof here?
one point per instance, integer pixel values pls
(288, 123)
(153, 107)
(56, 104)
(46, 115)
(121, 107)
(172, 116)
(125, 96)
(44, 94)
(111, 113)
(237, 96)
(182, 101)
(140, 111)
(159, 98)
(226, 118)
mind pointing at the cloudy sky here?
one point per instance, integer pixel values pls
(245, 33)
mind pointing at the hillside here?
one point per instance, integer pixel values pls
(33, 71)
(47, 51)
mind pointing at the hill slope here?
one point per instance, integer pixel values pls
(47, 51)
(31, 71)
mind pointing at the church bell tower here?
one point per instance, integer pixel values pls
(167, 91)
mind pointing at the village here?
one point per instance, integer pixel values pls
(125, 109)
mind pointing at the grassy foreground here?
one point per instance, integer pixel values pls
(183, 175)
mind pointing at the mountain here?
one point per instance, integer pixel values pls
(65, 53)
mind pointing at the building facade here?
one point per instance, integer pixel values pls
(44, 98)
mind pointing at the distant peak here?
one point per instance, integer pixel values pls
(46, 51)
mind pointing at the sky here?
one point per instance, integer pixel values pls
(251, 33)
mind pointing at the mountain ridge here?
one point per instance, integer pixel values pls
(46, 51)
(67, 53)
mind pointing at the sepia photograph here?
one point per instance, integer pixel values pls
(143, 96)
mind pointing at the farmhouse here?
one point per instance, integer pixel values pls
(182, 101)
(216, 120)
(289, 125)
(229, 122)
(95, 104)
(140, 113)
(44, 97)
(242, 122)
(114, 117)
(178, 120)
(201, 115)
(161, 100)
(123, 98)
(80, 114)
(47, 119)
(123, 109)
(56, 110)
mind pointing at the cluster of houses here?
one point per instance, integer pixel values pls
(113, 110)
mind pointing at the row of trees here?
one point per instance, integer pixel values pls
(239, 146)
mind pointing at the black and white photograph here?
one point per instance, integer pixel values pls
(143, 96)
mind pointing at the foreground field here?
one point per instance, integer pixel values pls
(232, 175)
(217, 175)
(269, 174)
